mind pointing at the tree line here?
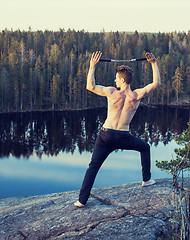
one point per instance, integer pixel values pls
(45, 70)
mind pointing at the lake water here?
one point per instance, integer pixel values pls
(47, 152)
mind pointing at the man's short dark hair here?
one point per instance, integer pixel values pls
(125, 72)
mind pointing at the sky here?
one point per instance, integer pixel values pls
(97, 15)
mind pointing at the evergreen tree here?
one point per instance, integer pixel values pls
(177, 83)
(188, 80)
(55, 90)
(29, 61)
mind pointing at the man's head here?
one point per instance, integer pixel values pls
(125, 72)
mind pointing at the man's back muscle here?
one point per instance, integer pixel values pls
(122, 106)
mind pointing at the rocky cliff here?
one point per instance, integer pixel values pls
(128, 212)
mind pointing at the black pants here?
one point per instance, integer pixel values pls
(107, 141)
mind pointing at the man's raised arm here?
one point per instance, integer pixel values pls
(156, 78)
(91, 85)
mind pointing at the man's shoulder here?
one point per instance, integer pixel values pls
(137, 90)
(111, 90)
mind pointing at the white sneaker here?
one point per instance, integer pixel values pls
(148, 183)
(78, 204)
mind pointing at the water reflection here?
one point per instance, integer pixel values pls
(49, 133)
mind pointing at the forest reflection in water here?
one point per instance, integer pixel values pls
(22, 134)
(45, 152)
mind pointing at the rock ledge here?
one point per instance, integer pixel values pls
(120, 212)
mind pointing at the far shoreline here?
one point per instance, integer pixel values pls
(152, 105)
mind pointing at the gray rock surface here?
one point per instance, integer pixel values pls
(126, 211)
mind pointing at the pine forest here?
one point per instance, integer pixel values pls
(46, 70)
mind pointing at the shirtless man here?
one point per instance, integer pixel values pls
(114, 134)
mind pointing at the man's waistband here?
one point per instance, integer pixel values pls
(113, 130)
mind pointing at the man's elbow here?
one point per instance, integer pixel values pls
(155, 85)
(90, 88)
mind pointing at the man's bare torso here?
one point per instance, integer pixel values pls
(121, 109)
